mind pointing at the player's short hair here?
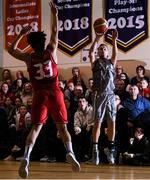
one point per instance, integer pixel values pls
(37, 40)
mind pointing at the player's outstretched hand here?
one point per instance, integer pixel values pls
(53, 7)
(114, 34)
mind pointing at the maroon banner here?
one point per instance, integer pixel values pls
(18, 14)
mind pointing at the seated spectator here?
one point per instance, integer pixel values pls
(78, 92)
(18, 103)
(136, 105)
(69, 91)
(120, 89)
(140, 71)
(27, 92)
(62, 85)
(118, 70)
(12, 122)
(122, 135)
(9, 108)
(138, 152)
(29, 105)
(20, 75)
(5, 92)
(144, 88)
(77, 78)
(10, 84)
(82, 127)
(17, 87)
(6, 74)
(125, 78)
(88, 93)
(23, 125)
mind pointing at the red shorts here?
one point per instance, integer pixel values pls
(49, 101)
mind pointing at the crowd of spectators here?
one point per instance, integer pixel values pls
(132, 119)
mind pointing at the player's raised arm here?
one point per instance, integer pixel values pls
(114, 48)
(54, 35)
(12, 50)
(94, 48)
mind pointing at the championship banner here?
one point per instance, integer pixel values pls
(75, 31)
(18, 14)
(130, 19)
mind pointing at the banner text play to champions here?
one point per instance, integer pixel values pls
(18, 14)
(75, 30)
(130, 19)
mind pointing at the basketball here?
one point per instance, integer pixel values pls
(100, 26)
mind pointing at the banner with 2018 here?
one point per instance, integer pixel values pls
(131, 20)
(75, 25)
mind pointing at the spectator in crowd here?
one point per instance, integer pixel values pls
(78, 91)
(138, 152)
(10, 84)
(118, 70)
(27, 92)
(135, 105)
(69, 91)
(62, 85)
(122, 137)
(89, 91)
(82, 127)
(144, 88)
(77, 78)
(23, 125)
(6, 74)
(140, 74)
(9, 108)
(17, 87)
(18, 103)
(12, 122)
(29, 104)
(20, 75)
(5, 92)
(125, 78)
(120, 89)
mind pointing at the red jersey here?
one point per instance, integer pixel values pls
(43, 71)
(48, 98)
(145, 93)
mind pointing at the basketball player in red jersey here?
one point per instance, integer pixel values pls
(42, 67)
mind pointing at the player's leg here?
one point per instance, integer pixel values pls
(39, 116)
(95, 136)
(98, 114)
(66, 138)
(30, 141)
(111, 123)
(110, 150)
(59, 115)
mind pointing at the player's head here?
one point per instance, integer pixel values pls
(37, 40)
(103, 51)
